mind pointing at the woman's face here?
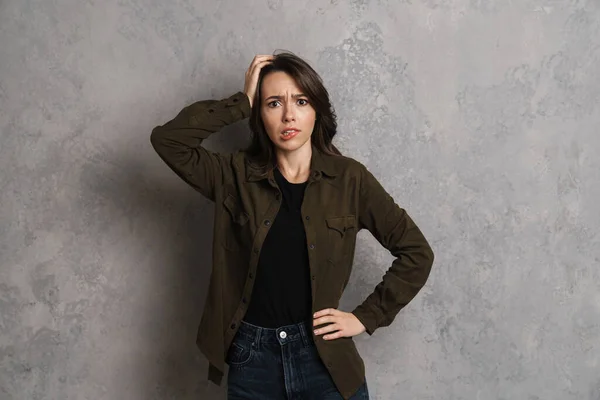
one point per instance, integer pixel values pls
(287, 115)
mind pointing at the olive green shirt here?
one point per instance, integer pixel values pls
(341, 198)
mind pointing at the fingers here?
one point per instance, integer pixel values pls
(335, 335)
(257, 60)
(253, 72)
(256, 69)
(326, 311)
(324, 320)
(328, 315)
(328, 329)
(337, 327)
(341, 324)
(334, 330)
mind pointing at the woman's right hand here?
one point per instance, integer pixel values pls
(252, 74)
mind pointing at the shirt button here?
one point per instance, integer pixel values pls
(282, 334)
(308, 217)
(312, 246)
(313, 277)
(232, 326)
(267, 222)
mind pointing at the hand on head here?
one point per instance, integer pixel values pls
(252, 74)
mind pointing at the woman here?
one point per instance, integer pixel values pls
(287, 211)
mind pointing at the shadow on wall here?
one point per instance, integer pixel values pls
(177, 241)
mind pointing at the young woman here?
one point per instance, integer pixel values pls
(287, 211)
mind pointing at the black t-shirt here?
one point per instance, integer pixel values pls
(282, 290)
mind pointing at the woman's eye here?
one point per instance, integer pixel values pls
(275, 103)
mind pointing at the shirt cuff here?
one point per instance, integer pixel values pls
(368, 318)
(239, 105)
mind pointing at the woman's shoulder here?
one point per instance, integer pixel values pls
(346, 164)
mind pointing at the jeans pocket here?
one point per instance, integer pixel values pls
(240, 353)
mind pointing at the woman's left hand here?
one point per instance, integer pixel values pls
(342, 324)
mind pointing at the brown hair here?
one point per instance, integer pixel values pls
(261, 149)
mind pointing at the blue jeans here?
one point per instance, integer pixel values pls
(279, 364)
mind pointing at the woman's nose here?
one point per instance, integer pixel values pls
(288, 114)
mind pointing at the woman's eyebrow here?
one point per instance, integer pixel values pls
(278, 97)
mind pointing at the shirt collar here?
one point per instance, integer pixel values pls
(319, 163)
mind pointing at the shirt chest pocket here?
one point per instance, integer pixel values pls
(236, 228)
(341, 237)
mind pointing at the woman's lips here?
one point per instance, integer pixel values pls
(290, 135)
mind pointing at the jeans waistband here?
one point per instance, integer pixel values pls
(284, 334)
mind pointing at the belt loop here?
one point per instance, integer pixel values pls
(305, 333)
(257, 337)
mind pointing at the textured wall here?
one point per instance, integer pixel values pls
(481, 117)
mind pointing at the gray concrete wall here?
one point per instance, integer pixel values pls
(481, 117)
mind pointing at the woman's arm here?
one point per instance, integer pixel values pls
(396, 231)
(179, 141)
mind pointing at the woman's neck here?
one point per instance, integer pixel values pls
(295, 165)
